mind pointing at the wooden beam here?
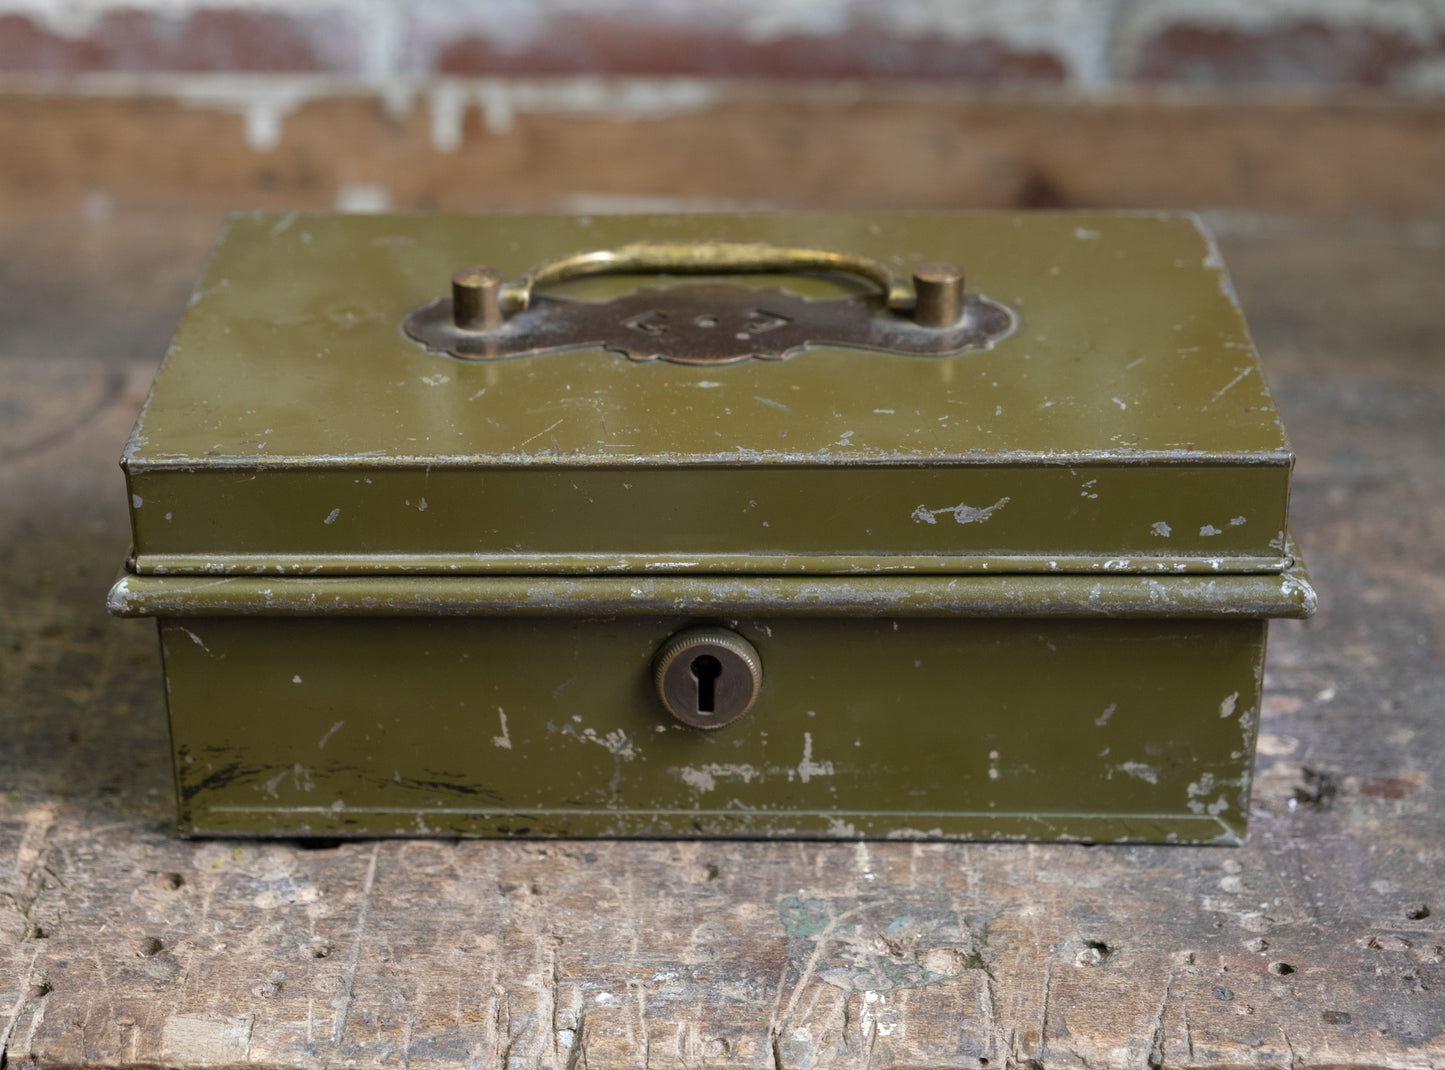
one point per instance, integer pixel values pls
(584, 145)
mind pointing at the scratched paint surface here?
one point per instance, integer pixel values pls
(294, 420)
(911, 729)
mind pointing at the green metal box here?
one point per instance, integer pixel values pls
(713, 525)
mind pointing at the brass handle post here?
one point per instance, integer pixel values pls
(475, 298)
(939, 287)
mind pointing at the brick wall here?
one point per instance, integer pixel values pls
(1086, 46)
(1321, 108)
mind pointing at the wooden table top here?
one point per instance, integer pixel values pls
(1320, 942)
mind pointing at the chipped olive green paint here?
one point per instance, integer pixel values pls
(548, 726)
(798, 519)
(1012, 594)
(294, 421)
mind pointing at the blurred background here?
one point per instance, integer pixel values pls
(1321, 109)
(129, 127)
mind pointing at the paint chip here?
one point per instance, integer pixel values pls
(504, 741)
(1141, 771)
(962, 512)
(807, 768)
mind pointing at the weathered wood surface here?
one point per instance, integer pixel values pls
(1319, 943)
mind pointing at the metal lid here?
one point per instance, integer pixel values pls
(1123, 425)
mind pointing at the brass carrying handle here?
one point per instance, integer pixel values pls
(481, 300)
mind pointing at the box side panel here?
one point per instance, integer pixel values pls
(1091, 730)
(548, 518)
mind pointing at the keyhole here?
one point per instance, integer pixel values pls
(687, 671)
(705, 670)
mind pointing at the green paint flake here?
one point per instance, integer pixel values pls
(803, 917)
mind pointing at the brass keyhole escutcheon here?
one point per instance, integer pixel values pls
(708, 677)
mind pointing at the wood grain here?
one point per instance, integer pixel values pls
(1319, 943)
(601, 145)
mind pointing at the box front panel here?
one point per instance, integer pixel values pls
(1076, 729)
(549, 518)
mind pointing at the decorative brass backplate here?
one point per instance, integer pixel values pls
(708, 324)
